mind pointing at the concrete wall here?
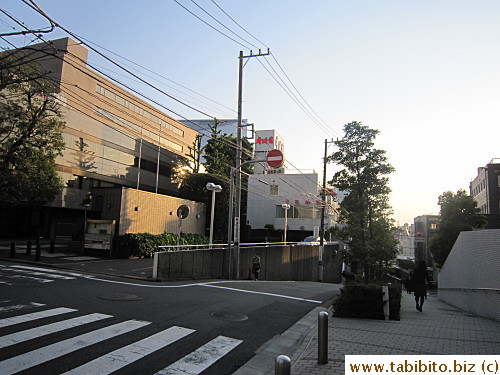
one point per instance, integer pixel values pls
(469, 278)
(138, 211)
(298, 263)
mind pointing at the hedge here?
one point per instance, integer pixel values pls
(146, 244)
(361, 300)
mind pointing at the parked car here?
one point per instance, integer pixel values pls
(311, 240)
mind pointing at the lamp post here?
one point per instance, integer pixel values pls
(286, 207)
(214, 189)
(87, 200)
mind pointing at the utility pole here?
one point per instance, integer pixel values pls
(322, 224)
(237, 209)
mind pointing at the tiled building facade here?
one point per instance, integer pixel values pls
(113, 139)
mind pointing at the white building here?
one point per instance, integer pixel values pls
(406, 246)
(267, 192)
(269, 188)
(265, 141)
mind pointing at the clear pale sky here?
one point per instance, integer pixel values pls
(424, 73)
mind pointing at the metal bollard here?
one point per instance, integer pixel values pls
(28, 248)
(52, 246)
(282, 365)
(322, 338)
(385, 299)
(12, 250)
(38, 251)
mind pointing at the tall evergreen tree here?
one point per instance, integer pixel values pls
(459, 213)
(364, 217)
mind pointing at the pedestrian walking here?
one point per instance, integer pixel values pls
(420, 282)
(256, 266)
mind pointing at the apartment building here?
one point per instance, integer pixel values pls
(485, 189)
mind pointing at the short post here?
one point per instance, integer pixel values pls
(282, 365)
(322, 338)
(385, 299)
(38, 250)
(52, 246)
(12, 250)
(28, 248)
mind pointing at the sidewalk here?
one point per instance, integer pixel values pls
(130, 268)
(439, 330)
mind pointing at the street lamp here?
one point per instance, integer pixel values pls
(286, 208)
(214, 189)
(87, 200)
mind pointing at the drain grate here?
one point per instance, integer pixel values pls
(229, 316)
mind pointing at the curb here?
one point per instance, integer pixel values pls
(288, 343)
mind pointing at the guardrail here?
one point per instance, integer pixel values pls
(224, 245)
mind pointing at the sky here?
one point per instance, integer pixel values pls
(426, 74)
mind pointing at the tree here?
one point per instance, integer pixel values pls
(220, 152)
(458, 213)
(193, 187)
(30, 138)
(194, 156)
(364, 217)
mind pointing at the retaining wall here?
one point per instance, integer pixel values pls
(298, 263)
(469, 277)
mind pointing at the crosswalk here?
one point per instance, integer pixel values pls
(17, 274)
(19, 325)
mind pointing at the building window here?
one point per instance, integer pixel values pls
(433, 226)
(498, 180)
(125, 103)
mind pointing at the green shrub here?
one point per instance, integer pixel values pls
(360, 300)
(146, 244)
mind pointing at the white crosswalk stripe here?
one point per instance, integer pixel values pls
(193, 363)
(33, 333)
(202, 358)
(19, 307)
(36, 273)
(119, 358)
(11, 274)
(47, 353)
(33, 316)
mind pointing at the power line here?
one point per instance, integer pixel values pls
(241, 27)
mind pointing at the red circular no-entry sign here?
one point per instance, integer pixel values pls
(275, 158)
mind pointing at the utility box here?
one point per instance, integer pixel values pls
(99, 235)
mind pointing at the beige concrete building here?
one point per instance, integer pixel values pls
(113, 139)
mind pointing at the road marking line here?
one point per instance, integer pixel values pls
(202, 358)
(47, 274)
(50, 270)
(47, 353)
(34, 316)
(30, 334)
(19, 307)
(207, 285)
(124, 356)
(262, 293)
(40, 280)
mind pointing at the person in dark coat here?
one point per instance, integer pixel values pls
(420, 282)
(256, 266)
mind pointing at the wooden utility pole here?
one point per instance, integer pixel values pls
(237, 206)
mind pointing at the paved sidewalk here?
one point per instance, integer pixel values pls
(439, 330)
(141, 269)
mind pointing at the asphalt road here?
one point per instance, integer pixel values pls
(126, 326)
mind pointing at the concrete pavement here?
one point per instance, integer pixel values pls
(439, 330)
